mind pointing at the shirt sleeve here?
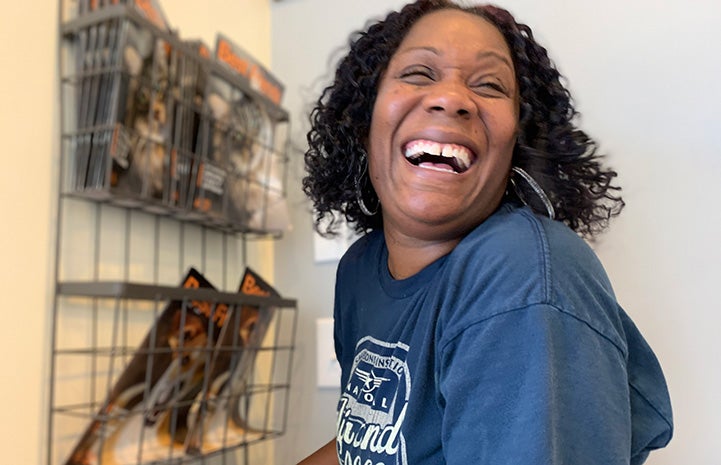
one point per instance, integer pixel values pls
(533, 385)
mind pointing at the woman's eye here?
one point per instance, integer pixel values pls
(417, 75)
(490, 88)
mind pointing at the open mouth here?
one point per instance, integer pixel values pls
(450, 158)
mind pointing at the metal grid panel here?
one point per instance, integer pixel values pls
(122, 248)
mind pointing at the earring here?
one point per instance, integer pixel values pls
(359, 191)
(536, 188)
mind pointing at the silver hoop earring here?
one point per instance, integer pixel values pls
(359, 191)
(536, 188)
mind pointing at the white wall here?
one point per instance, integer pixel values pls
(645, 77)
(29, 131)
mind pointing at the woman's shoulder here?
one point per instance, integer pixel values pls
(517, 259)
(516, 240)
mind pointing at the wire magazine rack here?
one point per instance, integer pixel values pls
(183, 396)
(155, 122)
(171, 164)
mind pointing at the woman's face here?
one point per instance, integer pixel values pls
(443, 127)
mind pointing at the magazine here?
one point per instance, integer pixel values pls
(249, 164)
(140, 146)
(208, 190)
(181, 392)
(107, 106)
(237, 141)
(219, 418)
(191, 82)
(86, 54)
(218, 138)
(240, 61)
(106, 33)
(145, 413)
(247, 136)
(152, 10)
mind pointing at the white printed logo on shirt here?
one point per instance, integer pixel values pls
(373, 405)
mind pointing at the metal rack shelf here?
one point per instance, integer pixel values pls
(140, 291)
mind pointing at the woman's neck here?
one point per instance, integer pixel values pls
(407, 256)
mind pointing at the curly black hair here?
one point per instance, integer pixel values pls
(550, 147)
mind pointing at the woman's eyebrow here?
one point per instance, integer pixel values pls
(497, 55)
(483, 54)
(424, 48)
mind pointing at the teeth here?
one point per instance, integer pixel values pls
(459, 153)
(418, 148)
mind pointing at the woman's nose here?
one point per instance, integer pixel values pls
(450, 97)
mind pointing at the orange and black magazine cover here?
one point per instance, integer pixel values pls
(180, 393)
(145, 416)
(221, 416)
(243, 63)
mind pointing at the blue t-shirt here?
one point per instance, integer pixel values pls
(511, 349)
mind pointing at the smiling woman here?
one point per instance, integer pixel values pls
(470, 325)
(442, 91)
(561, 158)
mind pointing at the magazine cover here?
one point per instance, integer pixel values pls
(185, 389)
(219, 419)
(218, 138)
(248, 163)
(191, 82)
(256, 193)
(86, 55)
(240, 61)
(98, 96)
(208, 189)
(116, 145)
(237, 140)
(152, 10)
(145, 416)
(106, 114)
(267, 206)
(247, 135)
(145, 130)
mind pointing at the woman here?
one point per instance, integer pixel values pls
(472, 323)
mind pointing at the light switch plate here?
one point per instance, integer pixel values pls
(327, 367)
